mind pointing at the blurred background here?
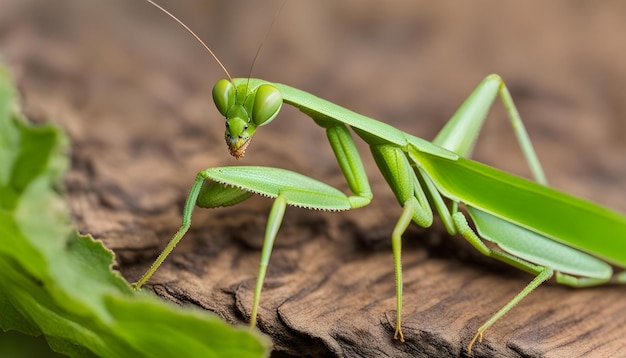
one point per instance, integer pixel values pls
(132, 88)
(408, 64)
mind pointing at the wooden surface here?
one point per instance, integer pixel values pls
(133, 91)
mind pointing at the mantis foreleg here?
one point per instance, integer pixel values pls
(349, 159)
(225, 186)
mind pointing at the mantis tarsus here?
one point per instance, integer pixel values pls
(523, 223)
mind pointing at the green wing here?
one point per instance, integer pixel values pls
(564, 218)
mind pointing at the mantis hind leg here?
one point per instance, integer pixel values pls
(460, 133)
(542, 273)
(545, 274)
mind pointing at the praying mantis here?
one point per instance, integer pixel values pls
(520, 222)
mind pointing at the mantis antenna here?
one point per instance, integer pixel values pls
(209, 49)
(263, 41)
(197, 38)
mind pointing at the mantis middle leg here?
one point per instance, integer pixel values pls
(459, 135)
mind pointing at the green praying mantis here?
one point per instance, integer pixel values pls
(523, 223)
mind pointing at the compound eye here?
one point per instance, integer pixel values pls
(267, 103)
(224, 94)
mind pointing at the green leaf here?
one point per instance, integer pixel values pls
(60, 284)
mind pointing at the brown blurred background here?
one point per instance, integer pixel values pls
(133, 91)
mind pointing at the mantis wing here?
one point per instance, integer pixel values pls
(564, 218)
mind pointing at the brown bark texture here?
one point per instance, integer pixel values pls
(133, 90)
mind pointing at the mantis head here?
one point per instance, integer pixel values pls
(245, 110)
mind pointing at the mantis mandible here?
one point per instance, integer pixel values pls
(523, 223)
